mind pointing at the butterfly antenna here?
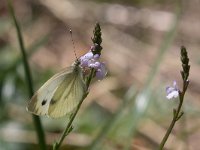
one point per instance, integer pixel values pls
(70, 31)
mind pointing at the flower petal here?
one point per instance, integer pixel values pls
(169, 90)
(173, 94)
(103, 68)
(96, 56)
(84, 63)
(100, 75)
(88, 55)
(91, 61)
(101, 72)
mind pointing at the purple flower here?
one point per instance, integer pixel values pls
(85, 58)
(92, 61)
(94, 64)
(172, 92)
(89, 60)
(101, 71)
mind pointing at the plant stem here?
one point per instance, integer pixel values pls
(69, 127)
(36, 119)
(177, 115)
(95, 50)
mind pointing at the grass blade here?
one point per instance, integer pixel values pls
(37, 122)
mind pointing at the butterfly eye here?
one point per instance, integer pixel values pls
(44, 102)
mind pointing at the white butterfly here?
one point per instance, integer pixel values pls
(60, 94)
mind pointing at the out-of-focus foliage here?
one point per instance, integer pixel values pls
(128, 109)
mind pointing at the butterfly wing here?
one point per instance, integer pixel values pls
(39, 103)
(68, 94)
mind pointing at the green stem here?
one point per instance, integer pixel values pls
(69, 125)
(177, 115)
(90, 78)
(68, 128)
(36, 119)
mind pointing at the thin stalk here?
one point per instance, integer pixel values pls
(36, 119)
(184, 134)
(69, 127)
(177, 115)
(1, 88)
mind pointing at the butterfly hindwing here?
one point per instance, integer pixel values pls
(39, 103)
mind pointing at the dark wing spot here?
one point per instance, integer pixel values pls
(52, 101)
(44, 102)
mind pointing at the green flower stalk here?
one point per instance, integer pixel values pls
(173, 92)
(185, 64)
(97, 40)
(90, 61)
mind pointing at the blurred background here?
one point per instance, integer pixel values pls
(141, 49)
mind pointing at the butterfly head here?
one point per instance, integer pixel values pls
(76, 63)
